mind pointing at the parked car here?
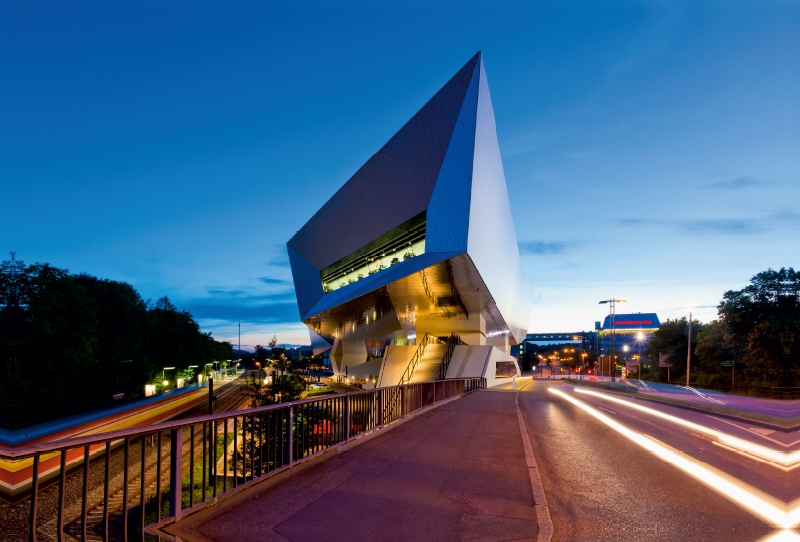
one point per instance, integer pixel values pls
(319, 386)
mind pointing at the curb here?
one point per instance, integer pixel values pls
(543, 518)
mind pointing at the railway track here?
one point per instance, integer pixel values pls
(229, 398)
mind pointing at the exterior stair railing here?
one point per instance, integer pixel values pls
(416, 358)
(452, 341)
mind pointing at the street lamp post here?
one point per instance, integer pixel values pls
(626, 349)
(640, 340)
(121, 361)
(163, 375)
(689, 352)
(613, 314)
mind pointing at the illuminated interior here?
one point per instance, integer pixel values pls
(391, 248)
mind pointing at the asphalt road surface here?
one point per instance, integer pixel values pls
(613, 472)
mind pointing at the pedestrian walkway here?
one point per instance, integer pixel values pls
(456, 472)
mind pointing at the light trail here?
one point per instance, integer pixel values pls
(782, 536)
(786, 460)
(769, 509)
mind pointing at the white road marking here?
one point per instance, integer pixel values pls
(761, 433)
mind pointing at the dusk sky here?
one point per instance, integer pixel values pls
(651, 149)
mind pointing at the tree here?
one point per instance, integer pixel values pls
(671, 341)
(762, 322)
(61, 336)
(261, 353)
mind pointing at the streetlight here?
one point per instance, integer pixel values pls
(626, 349)
(689, 351)
(613, 314)
(639, 341)
(583, 363)
(164, 377)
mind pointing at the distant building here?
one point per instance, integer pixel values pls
(632, 333)
(526, 352)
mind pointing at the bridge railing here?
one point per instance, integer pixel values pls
(121, 484)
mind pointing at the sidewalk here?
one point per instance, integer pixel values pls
(455, 473)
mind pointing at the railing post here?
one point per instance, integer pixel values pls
(380, 408)
(402, 401)
(290, 436)
(175, 472)
(62, 475)
(346, 418)
(35, 498)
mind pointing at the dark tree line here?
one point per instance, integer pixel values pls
(758, 329)
(62, 336)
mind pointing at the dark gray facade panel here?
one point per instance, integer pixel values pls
(393, 186)
(448, 212)
(307, 283)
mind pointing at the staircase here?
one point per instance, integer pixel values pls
(428, 367)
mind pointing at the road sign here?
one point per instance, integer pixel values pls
(727, 364)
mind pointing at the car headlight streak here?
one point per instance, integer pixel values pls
(758, 503)
(785, 459)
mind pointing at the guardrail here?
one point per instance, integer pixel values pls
(120, 485)
(771, 392)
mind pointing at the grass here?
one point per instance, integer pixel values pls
(315, 393)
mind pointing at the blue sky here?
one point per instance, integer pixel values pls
(652, 149)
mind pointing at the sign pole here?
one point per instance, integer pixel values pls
(689, 352)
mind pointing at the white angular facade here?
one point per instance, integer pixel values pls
(419, 244)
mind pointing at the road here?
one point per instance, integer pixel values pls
(679, 482)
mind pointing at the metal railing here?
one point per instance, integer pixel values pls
(452, 341)
(415, 359)
(123, 484)
(770, 392)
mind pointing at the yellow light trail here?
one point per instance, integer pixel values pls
(786, 459)
(769, 509)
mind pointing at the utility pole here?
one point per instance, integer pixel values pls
(689, 352)
(613, 364)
